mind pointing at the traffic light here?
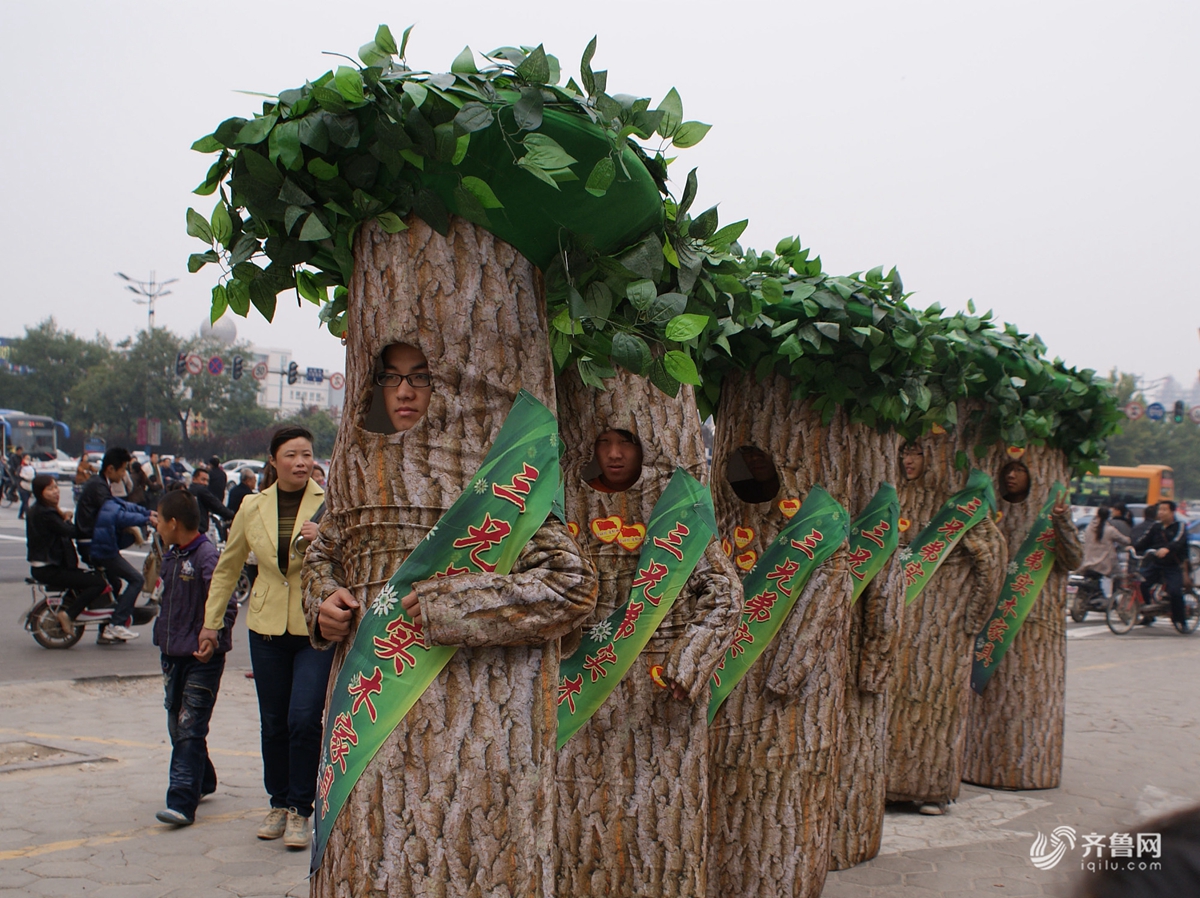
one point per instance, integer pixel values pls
(293, 372)
(181, 364)
(1180, 411)
(237, 367)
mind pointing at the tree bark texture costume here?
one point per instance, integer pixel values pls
(1015, 733)
(459, 801)
(633, 781)
(930, 690)
(778, 737)
(875, 634)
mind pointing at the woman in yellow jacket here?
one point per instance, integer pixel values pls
(289, 674)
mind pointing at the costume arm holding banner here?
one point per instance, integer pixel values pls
(718, 603)
(989, 554)
(322, 575)
(882, 618)
(794, 656)
(550, 590)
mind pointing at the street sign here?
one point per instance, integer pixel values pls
(314, 375)
(1134, 411)
(1194, 414)
(143, 431)
(260, 371)
(195, 364)
(1156, 411)
(216, 365)
(337, 380)
(154, 438)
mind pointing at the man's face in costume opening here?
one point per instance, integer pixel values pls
(913, 461)
(620, 459)
(406, 401)
(1016, 480)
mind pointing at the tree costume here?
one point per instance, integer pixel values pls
(929, 693)
(1015, 731)
(875, 634)
(633, 781)
(446, 808)
(777, 739)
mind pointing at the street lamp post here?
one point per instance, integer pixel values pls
(150, 290)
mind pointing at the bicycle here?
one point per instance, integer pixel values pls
(1129, 605)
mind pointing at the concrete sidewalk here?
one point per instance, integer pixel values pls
(87, 827)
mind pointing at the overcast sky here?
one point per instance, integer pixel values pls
(1039, 157)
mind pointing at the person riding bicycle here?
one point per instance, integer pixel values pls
(1100, 542)
(1166, 554)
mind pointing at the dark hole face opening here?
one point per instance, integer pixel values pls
(752, 475)
(1013, 482)
(401, 401)
(616, 463)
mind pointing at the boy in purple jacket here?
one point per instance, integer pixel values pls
(191, 675)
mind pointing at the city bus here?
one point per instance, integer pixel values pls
(1143, 485)
(36, 434)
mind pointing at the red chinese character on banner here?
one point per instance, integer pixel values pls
(809, 543)
(649, 577)
(875, 534)
(673, 541)
(952, 527)
(632, 612)
(451, 571)
(996, 630)
(479, 539)
(930, 551)
(402, 635)
(759, 607)
(858, 558)
(341, 737)
(516, 491)
(1022, 584)
(783, 573)
(742, 637)
(568, 689)
(912, 572)
(606, 655)
(1007, 607)
(362, 688)
(971, 507)
(1047, 539)
(985, 654)
(1036, 559)
(324, 784)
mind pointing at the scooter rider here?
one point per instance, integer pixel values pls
(1166, 551)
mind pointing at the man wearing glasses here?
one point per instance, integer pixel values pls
(406, 383)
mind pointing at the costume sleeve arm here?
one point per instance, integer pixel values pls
(717, 599)
(321, 575)
(798, 644)
(989, 552)
(550, 591)
(882, 613)
(225, 576)
(1069, 554)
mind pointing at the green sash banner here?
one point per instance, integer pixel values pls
(1027, 574)
(389, 666)
(775, 583)
(681, 526)
(874, 536)
(962, 511)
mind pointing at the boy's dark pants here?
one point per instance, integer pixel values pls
(190, 688)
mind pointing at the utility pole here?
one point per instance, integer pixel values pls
(150, 290)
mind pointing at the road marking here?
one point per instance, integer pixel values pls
(126, 743)
(1112, 664)
(1084, 632)
(110, 838)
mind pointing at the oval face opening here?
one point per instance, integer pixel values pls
(401, 388)
(912, 461)
(1013, 482)
(616, 463)
(752, 475)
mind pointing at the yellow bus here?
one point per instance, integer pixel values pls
(1145, 484)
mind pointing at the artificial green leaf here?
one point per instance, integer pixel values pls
(641, 293)
(469, 207)
(666, 306)
(314, 229)
(292, 215)
(661, 378)
(482, 192)
(432, 210)
(729, 233)
(208, 144)
(598, 301)
(418, 93)
(391, 222)
(527, 112)
(460, 149)
(291, 194)
(672, 109)
(473, 117)
(221, 224)
(197, 226)
(322, 170)
(689, 134)
(219, 304)
(630, 352)
(284, 145)
(537, 171)
(772, 291)
(545, 152)
(464, 63)
(690, 185)
(829, 329)
(585, 68)
(371, 55)
(264, 297)
(602, 176)
(704, 225)
(385, 41)
(257, 130)
(535, 69)
(682, 328)
(349, 84)
(196, 261)
(681, 367)
(564, 323)
(314, 132)
(238, 296)
(259, 168)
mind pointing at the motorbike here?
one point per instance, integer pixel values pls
(1084, 594)
(42, 623)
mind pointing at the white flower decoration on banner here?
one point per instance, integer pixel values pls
(602, 632)
(1013, 567)
(385, 601)
(481, 486)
